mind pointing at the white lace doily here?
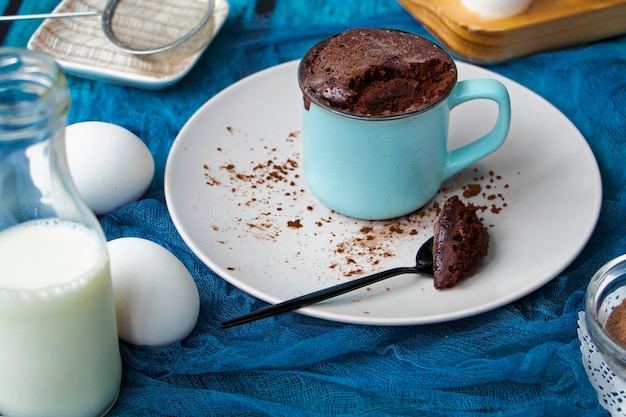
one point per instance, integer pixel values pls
(610, 387)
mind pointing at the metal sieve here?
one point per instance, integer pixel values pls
(146, 27)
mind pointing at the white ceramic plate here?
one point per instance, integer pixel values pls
(80, 47)
(236, 194)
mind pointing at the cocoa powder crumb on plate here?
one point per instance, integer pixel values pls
(294, 224)
(270, 184)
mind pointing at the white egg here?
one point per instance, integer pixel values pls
(497, 8)
(156, 299)
(110, 165)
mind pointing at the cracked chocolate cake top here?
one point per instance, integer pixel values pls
(376, 72)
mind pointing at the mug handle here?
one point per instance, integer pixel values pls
(479, 88)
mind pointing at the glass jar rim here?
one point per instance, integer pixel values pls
(597, 290)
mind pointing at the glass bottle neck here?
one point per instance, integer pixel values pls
(35, 182)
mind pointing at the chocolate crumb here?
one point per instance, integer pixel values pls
(294, 224)
(472, 190)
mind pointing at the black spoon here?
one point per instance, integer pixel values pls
(424, 265)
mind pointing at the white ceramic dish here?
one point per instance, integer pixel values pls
(236, 194)
(80, 47)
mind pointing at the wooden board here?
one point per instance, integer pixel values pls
(545, 25)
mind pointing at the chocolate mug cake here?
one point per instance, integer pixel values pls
(375, 121)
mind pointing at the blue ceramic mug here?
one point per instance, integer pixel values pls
(384, 167)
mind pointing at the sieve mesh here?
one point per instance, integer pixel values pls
(152, 26)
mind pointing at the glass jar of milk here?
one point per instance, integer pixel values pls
(59, 351)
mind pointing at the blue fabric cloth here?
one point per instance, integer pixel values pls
(519, 360)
